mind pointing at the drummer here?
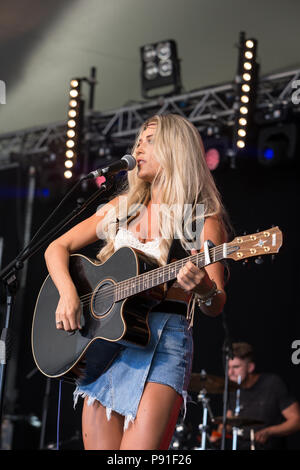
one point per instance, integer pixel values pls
(262, 397)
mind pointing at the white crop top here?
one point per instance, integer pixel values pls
(125, 237)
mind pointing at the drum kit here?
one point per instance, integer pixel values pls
(205, 385)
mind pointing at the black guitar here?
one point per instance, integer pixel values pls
(116, 298)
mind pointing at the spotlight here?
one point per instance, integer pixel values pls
(277, 144)
(243, 121)
(246, 84)
(160, 68)
(249, 44)
(74, 124)
(216, 152)
(245, 88)
(212, 158)
(68, 174)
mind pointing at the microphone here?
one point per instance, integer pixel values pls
(127, 163)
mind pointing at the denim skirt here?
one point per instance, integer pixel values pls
(167, 359)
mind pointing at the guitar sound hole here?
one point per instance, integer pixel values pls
(103, 299)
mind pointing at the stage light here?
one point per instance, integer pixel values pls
(69, 154)
(68, 163)
(247, 77)
(245, 88)
(164, 50)
(248, 55)
(74, 124)
(165, 68)
(68, 174)
(243, 122)
(246, 84)
(212, 158)
(277, 145)
(71, 133)
(268, 153)
(149, 53)
(72, 113)
(216, 151)
(74, 93)
(160, 69)
(151, 71)
(71, 123)
(70, 143)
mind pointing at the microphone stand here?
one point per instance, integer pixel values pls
(9, 277)
(227, 354)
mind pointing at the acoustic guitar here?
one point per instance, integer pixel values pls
(116, 298)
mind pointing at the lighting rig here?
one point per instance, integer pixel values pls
(246, 87)
(74, 128)
(160, 68)
(207, 108)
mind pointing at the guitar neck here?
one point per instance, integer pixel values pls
(169, 272)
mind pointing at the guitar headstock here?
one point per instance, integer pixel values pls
(257, 244)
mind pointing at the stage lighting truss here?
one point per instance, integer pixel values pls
(205, 108)
(246, 84)
(160, 68)
(74, 128)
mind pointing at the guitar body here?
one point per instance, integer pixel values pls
(106, 323)
(116, 297)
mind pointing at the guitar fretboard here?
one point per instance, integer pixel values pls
(163, 274)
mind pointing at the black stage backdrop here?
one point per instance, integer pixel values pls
(262, 307)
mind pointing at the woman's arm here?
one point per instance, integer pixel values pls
(57, 259)
(193, 279)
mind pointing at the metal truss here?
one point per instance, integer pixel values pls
(208, 107)
(31, 143)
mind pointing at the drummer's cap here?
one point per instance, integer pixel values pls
(243, 351)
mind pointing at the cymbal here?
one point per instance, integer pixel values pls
(238, 421)
(211, 383)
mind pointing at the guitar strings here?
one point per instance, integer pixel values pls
(123, 285)
(126, 283)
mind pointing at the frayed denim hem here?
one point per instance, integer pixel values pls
(129, 418)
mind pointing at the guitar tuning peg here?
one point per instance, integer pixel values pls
(245, 233)
(257, 230)
(245, 262)
(259, 260)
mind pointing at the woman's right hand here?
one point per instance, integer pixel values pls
(68, 311)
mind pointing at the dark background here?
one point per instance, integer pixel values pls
(262, 306)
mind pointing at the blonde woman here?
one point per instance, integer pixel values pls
(135, 403)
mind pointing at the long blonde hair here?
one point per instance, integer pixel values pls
(183, 181)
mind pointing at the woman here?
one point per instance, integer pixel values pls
(135, 403)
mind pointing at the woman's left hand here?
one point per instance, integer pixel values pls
(191, 278)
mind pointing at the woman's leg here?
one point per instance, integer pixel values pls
(159, 407)
(97, 432)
